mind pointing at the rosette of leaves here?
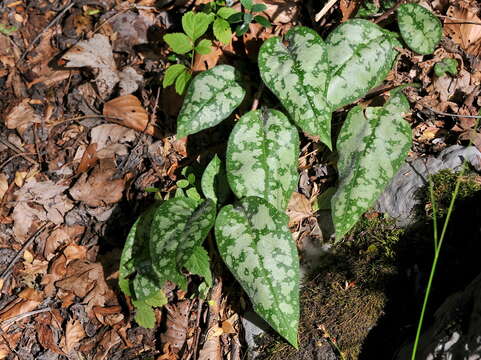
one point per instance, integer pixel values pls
(257, 247)
(248, 17)
(194, 25)
(360, 54)
(372, 146)
(210, 98)
(261, 158)
(298, 74)
(420, 29)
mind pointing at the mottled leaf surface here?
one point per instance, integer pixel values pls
(372, 145)
(298, 75)
(214, 181)
(420, 29)
(256, 245)
(261, 159)
(178, 226)
(360, 55)
(136, 259)
(211, 97)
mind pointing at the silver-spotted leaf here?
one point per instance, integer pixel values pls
(420, 29)
(211, 97)
(372, 145)
(179, 225)
(360, 55)
(214, 181)
(257, 247)
(262, 154)
(136, 259)
(298, 75)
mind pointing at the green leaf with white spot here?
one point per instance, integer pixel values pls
(179, 42)
(179, 225)
(214, 181)
(211, 97)
(222, 30)
(261, 159)
(298, 74)
(199, 264)
(257, 247)
(420, 28)
(372, 146)
(360, 55)
(195, 24)
(135, 261)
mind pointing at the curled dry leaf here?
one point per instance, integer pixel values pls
(3, 185)
(128, 111)
(298, 208)
(99, 188)
(462, 28)
(281, 12)
(27, 300)
(95, 53)
(111, 139)
(177, 325)
(74, 332)
(20, 116)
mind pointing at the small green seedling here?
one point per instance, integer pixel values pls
(448, 65)
(7, 30)
(246, 18)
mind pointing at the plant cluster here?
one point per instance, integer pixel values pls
(311, 78)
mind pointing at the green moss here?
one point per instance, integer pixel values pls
(345, 299)
(444, 183)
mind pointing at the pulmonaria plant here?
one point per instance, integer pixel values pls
(311, 78)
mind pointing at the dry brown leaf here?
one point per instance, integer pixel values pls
(60, 236)
(96, 53)
(111, 140)
(3, 185)
(56, 271)
(21, 116)
(128, 111)
(27, 300)
(89, 159)
(98, 188)
(74, 332)
(347, 8)
(177, 325)
(208, 61)
(281, 12)
(467, 35)
(298, 208)
(45, 332)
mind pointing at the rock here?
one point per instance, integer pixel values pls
(456, 331)
(399, 198)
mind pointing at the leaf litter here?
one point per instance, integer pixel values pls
(88, 130)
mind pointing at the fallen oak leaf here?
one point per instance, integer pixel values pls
(131, 113)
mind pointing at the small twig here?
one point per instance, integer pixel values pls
(453, 115)
(6, 272)
(461, 21)
(84, 117)
(257, 97)
(17, 150)
(55, 20)
(324, 10)
(388, 13)
(10, 321)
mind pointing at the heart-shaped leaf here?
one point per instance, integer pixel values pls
(372, 145)
(257, 246)
(211, 97)
(214, 181)
(298, 75)
(262, 155)
(360, 55)
(179, 225)
(420, 29)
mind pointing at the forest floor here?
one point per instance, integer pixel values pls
(83, 146)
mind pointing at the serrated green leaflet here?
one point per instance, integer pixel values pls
(256, 245)
(199, 264)
(360, 55)
(136, 258)
(211, 98)
(195, 24)
(298, 75)
(144, 314)
(214, 181)
(420, 29)
(222, 30)
(262, 155)
(179, 225)
(372, 145)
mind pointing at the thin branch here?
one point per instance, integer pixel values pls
(388, 13)
(453, 115)
(324, 10)
(10, 321)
